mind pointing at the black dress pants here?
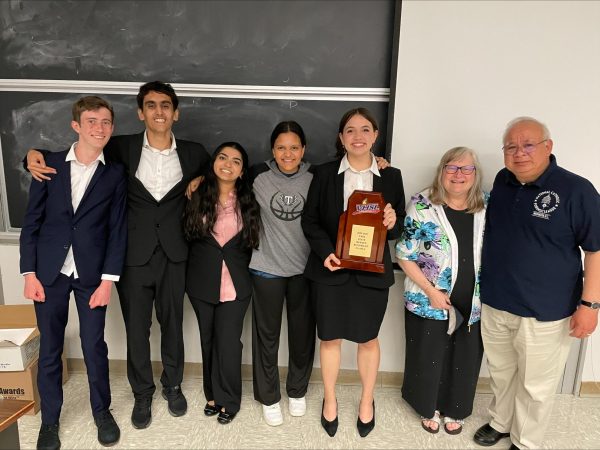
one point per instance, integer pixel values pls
(221, 327)
(267, 305)
(159, 283)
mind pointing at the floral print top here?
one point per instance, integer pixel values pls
(428, 240)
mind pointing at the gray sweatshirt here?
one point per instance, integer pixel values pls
(283, 248)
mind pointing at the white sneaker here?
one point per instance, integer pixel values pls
(297, 406)
(272, 414)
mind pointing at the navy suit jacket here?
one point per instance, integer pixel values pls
(97, 231)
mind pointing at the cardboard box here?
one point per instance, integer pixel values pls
(19, 353)
(22, 385)
(19, 337)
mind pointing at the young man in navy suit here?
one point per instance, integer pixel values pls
(159, 168)
(73, 239)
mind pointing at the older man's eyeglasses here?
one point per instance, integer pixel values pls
(465, 170)
(528, 147)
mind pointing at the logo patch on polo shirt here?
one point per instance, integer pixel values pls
(544, 204)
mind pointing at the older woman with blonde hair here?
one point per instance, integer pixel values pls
(440, 253)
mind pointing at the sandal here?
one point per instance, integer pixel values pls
(436, 419)
(448, 420)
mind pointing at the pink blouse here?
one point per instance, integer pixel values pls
(228, 224)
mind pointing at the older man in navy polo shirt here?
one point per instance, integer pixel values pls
(535, 299)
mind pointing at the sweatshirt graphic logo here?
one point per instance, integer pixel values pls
(287, 207)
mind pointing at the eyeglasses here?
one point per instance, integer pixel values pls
(465, 170)
(528, 147)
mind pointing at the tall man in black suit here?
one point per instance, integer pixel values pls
(159, 168)
(73, 239)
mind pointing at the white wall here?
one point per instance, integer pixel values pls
(468, 67)
(465, 69)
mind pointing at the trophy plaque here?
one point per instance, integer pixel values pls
(362, 236)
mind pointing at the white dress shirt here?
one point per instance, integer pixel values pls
(159, 170)
(81, 176)
(357, 180)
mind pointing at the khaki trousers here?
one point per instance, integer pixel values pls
(526, 359)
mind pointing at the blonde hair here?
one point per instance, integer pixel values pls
(438, 194)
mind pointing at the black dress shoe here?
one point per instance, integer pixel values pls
(365, 428)
(329, 426)
(176, 400)
(108, 430)
(225, 417)
(141, 416)
(487, 436)
(48, 438)
(513, 447)
(211, 410)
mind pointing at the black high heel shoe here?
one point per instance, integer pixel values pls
(211, 410)
(365, 428)
(329, 426)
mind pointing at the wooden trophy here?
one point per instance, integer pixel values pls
(362, 236)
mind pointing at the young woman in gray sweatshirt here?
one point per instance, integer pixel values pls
(280, 186)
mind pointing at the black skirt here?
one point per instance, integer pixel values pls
(348, 311)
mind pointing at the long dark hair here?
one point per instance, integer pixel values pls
(201, 211)
(340, 150)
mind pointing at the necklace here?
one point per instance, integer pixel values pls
(228, 199)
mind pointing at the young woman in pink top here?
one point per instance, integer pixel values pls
(222, 224)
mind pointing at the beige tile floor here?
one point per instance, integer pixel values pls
(575, 423)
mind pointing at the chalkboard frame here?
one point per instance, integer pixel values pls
(203, 119)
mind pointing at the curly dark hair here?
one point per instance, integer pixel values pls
(201, 211)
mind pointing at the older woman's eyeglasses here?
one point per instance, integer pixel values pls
(465, 170)
(528, 147)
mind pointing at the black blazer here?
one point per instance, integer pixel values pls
(320, 219)
(203, 278)
(97, 231)
(152, 222)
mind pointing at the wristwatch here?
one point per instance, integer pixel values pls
(593, 305)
